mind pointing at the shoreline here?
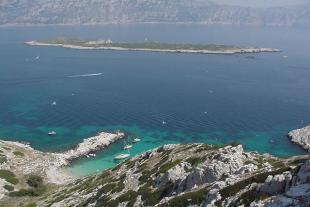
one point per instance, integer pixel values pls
(22, 159)
(301, 137)
(224, 52)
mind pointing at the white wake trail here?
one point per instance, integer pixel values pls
(85, 75)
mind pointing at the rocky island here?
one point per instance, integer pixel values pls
(149, 46)
(171, 175)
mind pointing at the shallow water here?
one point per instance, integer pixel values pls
(202, 98)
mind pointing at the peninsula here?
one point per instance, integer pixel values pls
(150, 46)
(301, 137)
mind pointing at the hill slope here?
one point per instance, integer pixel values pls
(193, 175)
(143, 11)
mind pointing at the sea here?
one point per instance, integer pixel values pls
(161, 98)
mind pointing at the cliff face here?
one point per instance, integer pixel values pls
(141, 11)
(193, 175)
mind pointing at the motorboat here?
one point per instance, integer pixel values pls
(54, 103)
(52, 133)
(136, 140)
(121, 156)
(127, 147)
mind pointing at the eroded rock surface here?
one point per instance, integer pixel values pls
(191, 175)
(301, 137)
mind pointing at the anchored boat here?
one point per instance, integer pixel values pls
(121, 156)
(127, 147)
(52, 133)
(136, 140)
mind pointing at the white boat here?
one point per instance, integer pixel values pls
(164, 122)
(285, 56)
(92, 155)
(121, 156)
(52, 133)
(136, 140)
(127, 147)
(54, 103)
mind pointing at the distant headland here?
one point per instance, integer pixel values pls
(149, 46)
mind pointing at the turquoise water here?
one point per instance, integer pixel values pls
(202, 98)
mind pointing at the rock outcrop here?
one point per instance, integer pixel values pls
(301, 137)
(19, 161)
(191, 175)
(292, 189)
(92, 144)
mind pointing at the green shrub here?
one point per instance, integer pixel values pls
(18, 153)
(248, 197)
(258, 178)
(164, 168)
(120, 186)
(8, 176)
(151, 197)
(129, 197)
(35, 181)
(8, 187)
(194, 161)
(21, 193)
(28, 192)
(37, 187)
(187, 199)
(31, 205)
(3, 159)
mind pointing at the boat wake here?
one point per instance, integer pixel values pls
(85, 75)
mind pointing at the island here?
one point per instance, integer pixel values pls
(149, 46)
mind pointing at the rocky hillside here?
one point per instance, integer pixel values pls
(141, 11)
(192, 175)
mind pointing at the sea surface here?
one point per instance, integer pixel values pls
(161, 98)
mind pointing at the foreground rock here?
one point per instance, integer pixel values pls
(301, 137)
(192, 175)
(18, 161)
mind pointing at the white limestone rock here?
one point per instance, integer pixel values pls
(301, 137)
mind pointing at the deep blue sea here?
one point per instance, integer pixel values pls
(201, 98)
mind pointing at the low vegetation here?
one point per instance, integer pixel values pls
(37, 187)
(187, 199)
(18, 153)
(8, 176)
(8, 187)
(3, 159)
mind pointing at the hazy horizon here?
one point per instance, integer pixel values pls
(261, 3)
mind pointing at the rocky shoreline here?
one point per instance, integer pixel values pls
(301, 137)
(227, 51)
(92, 144)
(22, 160)
(172, 175)
(193, 175)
